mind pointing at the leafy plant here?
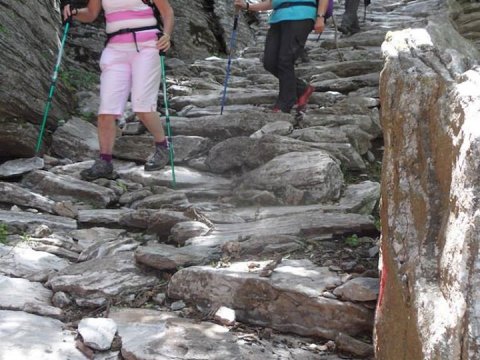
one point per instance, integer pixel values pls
(352, 240)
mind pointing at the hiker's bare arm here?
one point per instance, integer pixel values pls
(86, 14)
(320, 22)
(261, 6)
(166, 12)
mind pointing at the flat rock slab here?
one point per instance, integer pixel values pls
(290, 300)
(102, 217)
(108, 247)
(15, 293)
(221, 127)
(168, 257)
(88, 237)
(11, 193)
(185, 177)
(98, 279)
(307, 223)
(22, 221)
(30, 264)
(27, 336)
(153, 335)
(243, 98)
(19, 167)
(64, 187)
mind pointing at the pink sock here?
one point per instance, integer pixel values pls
(163, 144)
(106, 157)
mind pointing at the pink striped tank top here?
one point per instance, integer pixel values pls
(129, 14)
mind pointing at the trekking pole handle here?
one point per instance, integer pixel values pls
(161, 52)
(235, 19)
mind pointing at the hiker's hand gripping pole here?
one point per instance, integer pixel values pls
(233, 40)
(52, 85)
(167, 115)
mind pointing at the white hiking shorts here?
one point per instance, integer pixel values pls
(126, 71)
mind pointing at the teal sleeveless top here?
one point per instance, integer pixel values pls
(293, 12)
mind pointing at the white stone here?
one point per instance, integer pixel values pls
(97, 333)
(225, 316)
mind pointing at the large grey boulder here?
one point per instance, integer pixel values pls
(430, 278)
(298, 177)
(290, 300)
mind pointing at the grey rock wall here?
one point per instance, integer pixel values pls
(29, 40)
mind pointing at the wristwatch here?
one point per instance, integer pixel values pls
(321, 15)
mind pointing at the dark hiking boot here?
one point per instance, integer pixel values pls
(303, 99)
(157, 160)
(99, 169)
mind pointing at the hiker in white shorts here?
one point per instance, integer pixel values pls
(130, 65)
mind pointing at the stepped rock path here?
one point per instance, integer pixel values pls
(265, 249)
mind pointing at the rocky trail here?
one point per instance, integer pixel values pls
(267, 247)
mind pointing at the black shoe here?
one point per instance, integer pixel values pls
(157, 160)
(99, 169)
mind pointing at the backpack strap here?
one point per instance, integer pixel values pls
(130, 31)
(133, 31)
(156, 13)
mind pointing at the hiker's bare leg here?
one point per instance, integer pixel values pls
(107, 130)
(152, 122)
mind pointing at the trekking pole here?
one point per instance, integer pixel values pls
(167, 116)
(233, 40)
(52, 87)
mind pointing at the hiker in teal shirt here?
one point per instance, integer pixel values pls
(290, 23)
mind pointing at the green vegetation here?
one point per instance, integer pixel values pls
(25, 238)
(352, 240)
(78, 79)
(122, 185)
(3, 233)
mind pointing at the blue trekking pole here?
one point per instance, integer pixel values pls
(233, 40)
(52, 89)
(167, 116)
